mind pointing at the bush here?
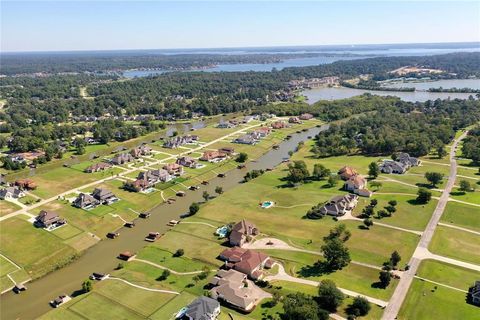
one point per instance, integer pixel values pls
(359, 307)
(165, 274)
(179, 253)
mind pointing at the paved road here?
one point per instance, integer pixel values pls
(401, 291)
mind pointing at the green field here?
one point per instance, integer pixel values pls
(424, 302)
(448, 274)
(7, 207)
(456, 244)
(462, 215)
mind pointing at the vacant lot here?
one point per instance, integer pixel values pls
(455, 244)
(448, 274)
(7, 207)
(462, 215)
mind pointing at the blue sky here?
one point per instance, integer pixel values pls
(92, 25)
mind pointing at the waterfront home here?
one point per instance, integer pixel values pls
(122, 158)
(227, 150)
(262, 132)
(340, 205)
(26, 184)
(174, 169)
(248, 119)
(186, 161)
(347, 172)
(247, 261)
(104, 195)
(11, 193)
(85, 201)
(306, 116)
(213, 156)
(101, 166)
(279, 125)
(140, 151)
(178, 141)
(241, 232)
(226, 124)
(246, 139)
(233, 288)
(203, 308)
(358, 185)
(294, 120)
(152, 177)
(47, 219)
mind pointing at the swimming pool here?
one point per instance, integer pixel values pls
(267, 204)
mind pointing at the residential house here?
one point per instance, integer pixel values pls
(227, 150)
(226, 125)
(347, 172)
(203, 308)
(294, 120)
(390, 166)
(122, 158)
(407, 160)
(85, 201)
(474, 293)
(340, 205)
(104, 195)
(186, 161)
(26, 184)
(213, 156)
(46, 219)
(174, 169)
(11, 193)
(101, 166)
(306, 116)
(249, 262)
(148, 179)
(279, 125)
(178, 141)
(248, 119)
(263, 132)
(241, 232)
(140, 151)
(358, 185)
(246, 139)
(233, 287)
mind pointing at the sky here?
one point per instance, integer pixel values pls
(111, 25)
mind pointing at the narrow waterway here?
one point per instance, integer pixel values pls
(102, 257)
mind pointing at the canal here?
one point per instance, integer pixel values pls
(102, 257)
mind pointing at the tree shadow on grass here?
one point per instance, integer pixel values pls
(415, 202)
(378, 285)
(458, 193)
(319, 268)
(425, 185)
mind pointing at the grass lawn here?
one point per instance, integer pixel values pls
(7, 207)
(96, 306)
(170, 309)
(36, 250)
(6, 267)
(141, 301)
(462, 215)
(66, 232)
(27, 200)
(470, 197)
(61, 313)
(448, 274)
(424, 302)
(455, 244)
(354, 277)
(469, 172)
(409, 215)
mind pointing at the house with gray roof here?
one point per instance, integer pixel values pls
(11, 193)
(340, 205)
(104, 195)
(246, 139)
(407, 160)
(390, 166)
(122, 158)
(474, 293)
(203, 308)
(85, 201)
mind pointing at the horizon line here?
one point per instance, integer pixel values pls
(240, 47)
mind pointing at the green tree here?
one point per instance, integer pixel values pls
(193, 209)
(441, 152)
(180, 252)
(395, 258)
(336, 254)
(465, 186)
(329, 296)
(360, 307)
(218, 190)
(373, 170)
(368, 222)
(206, 196)
(165, 274)
(385, 278)
(434, 178)
(87, 285)
(242, 157)
(423, 196)
(320, 172)
(300, 306)
(298, 172)
(332, 181)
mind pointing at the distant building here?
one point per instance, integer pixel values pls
(26, 184)
(11, 193)
(306, 116)
(122, 158)
(213, 156)
(294, 120)
(178, 141)
(279, 124)
(101, 166)
(188, 162)
(246, 139)
(140, 151)
(174, 169)
(47, 219)
(340, 205)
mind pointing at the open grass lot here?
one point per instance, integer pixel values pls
(170, 309)
(212, 132)
(448, 274)
(354, 277)
(409, 215)
(7, 207)
(61, 313)
(462, 215)
(6, 267)
(285, 220)
(468, 171)
(456, 244)
(27, 200)
(471, 196)
(424, 302)
(36, 250)
(62, 179)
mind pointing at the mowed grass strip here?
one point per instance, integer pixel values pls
(462, 215)
(171, 308)
(7, 207)
(61, 313)
(448, 274)
(424, 302)
(456, 244)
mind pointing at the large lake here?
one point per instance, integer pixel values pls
(335, 93)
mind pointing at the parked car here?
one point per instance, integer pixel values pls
(144, 215)
(57, 302)
(112, 235)
(152, 236)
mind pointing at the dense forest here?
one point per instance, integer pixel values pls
(471, 145)
(402, 126)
